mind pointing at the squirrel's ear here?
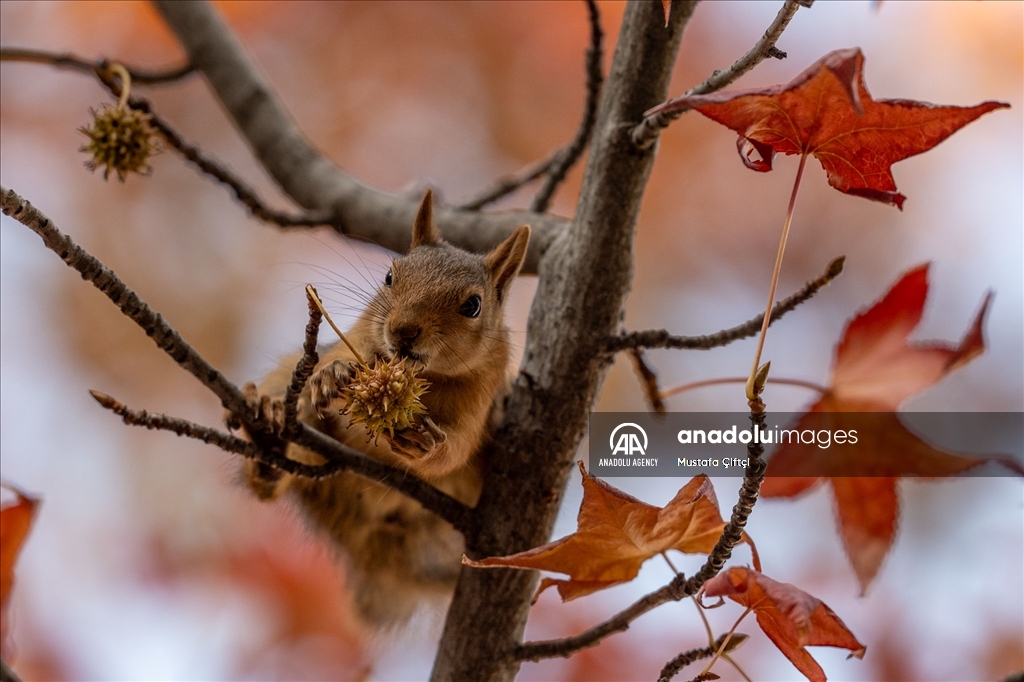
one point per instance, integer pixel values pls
(423, 231)
(507, 257)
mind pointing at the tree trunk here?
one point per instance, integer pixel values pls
(585, 276)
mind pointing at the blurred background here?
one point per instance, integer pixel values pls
(149, 561)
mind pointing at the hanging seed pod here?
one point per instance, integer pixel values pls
(120, 139)
(385, 397)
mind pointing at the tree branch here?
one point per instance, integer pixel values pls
(646, 132)
(224, 441)
(168, 340)
(557, 164)
(648, 380)
(66, 60)
(565, 159)
(214, 169)
(680, 587)
(509, 184)
(673, 667)
(310, 178)
(660, 338)
(304, 368)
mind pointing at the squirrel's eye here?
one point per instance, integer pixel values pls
(388, 278)
(471, 308)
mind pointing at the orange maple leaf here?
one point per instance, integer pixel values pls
(617, 533)
(15, 521)
(875, 370)
(790, 617)
(827, 112)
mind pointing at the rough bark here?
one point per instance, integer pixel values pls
(584, 278)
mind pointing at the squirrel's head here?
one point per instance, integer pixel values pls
(442, 306)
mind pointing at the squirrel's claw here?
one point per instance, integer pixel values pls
(325, 386)
(264, 411)
(416, 443)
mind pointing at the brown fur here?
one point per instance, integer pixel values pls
(397, 553)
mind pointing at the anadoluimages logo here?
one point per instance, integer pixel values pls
(628, 442)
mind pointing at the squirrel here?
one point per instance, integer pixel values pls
(441, 308)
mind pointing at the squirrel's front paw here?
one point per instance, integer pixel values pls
(263, 411)
(416, 443)
(326, 383)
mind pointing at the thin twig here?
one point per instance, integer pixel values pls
(673, 667)
(168, 340)
(646, 132)
(304, 368)
(509, 184)
(558, 163)
(704, 677)
(124, 298)
(681, 587)
(314, 299)
(67, 60)
(211, 436)
(683, 388)
(571, 154)
(193, 154)
(660, 338)
(214, 169)
(649, 382)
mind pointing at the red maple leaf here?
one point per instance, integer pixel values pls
(790, 617)
(876, 368)
(15, 521)
(617, 533)
(827, 112)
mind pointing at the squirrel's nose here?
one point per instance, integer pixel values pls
(406, 333)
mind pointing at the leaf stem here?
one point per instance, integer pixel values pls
(682, 388)
(126, 83)
(311, 292)
(775, 277)
(704, 619)
(668, 561)
(725, 642)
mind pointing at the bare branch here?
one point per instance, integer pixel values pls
(124, 298)
(305, 366)
(66, 60)
(224, 441)
(660, 338)
(509, 184)
(680, 587)
(310, 178)
(242, 192)
(214, 169)
(646, 132)
(192, 153)
(565, 159)
(648, 380)
(673, 667)
(168, 340)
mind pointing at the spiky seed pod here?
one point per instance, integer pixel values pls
(385, 397)
(121, 139)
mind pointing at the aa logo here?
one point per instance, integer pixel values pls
(631, 441)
